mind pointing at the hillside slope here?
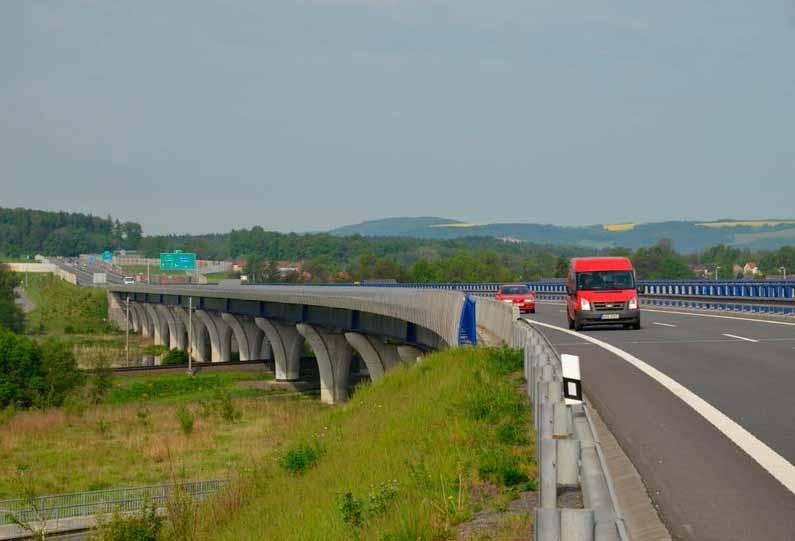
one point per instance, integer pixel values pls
(410, 457)
(687, 236)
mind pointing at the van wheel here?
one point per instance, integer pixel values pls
(577, 325)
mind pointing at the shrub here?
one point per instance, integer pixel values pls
(300, 458)
(103, 426)
(186, 419)
(351, 509)
(227, 409)
(143, 416)
(33, 374)
(175, 357)
(143, 526)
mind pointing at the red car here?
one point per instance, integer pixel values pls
(519, 295)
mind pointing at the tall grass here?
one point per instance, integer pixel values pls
(407, 458)
(133, 439)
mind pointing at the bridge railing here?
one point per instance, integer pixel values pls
(568, 451)
(100, 502)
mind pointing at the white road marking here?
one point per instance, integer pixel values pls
(663, 324)
(740, 337)
(719, 316)
(782, 470)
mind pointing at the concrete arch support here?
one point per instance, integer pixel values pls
(409, 354)
(197, 339)
(224, 337)
(143, 319)
(176, 331)
(378, 356)
(287, 344)
(333, 355)
(247, 335)
(209, 323)
(158, 324)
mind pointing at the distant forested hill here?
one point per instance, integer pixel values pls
(29, 232)
(687, 236)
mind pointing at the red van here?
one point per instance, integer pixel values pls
(602, 291)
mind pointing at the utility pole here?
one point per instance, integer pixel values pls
(717, 268)
(148, 280)
(127, 332)
(783, 270)
(190, 335)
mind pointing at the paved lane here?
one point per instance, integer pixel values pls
(706, 486)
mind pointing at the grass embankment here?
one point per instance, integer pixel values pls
(136, 437)
(77, 315)
(408, 458)
(63, 308)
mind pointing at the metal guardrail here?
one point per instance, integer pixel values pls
(100, 502)
(568, 452)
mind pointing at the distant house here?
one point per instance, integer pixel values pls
(701, 271)
(238, 265)
(750, 269)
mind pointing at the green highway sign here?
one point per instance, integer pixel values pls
(177, 260)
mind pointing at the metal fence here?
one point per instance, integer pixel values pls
(100, 502)
(567, 451)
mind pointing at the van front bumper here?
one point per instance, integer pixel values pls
(613, 317)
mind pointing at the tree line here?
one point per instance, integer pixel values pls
(329, 258)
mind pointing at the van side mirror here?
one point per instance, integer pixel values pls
(641, 289)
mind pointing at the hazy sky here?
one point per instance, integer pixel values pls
(197, 116)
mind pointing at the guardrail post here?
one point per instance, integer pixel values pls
(549, 482)
(576, 525)
(568, 462)
(547, 524)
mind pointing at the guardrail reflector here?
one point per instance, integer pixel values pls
(572, 381)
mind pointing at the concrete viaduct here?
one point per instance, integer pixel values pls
(384, 326)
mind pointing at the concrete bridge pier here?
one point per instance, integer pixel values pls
(286, 344)
(333, 354)
(177, 338)
(209, 323)
(143, 319)
(409, 354)
(198, 336)
(247, 336)
(378, 356)
(158, 324)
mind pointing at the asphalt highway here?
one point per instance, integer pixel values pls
(711, 480)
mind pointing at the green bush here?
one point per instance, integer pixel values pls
(175, 357)
(300, 458)
(144, 526)
(227, 409)
(186, 419)
(33, 374)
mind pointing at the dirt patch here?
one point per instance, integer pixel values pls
(514, 523)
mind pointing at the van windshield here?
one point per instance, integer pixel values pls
(602, 280)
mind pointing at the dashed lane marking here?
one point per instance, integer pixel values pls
(663, 324)
(781, 469)
(696, 314)
(740, 337)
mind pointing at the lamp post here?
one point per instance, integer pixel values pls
(127, 332)
(717, 268)
(190, 335)
(783, 270)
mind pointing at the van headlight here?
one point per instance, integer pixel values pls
(584, 304)
(633, 303)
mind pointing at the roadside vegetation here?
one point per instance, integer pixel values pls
(146, 430)
(63, 308)
(411, 457)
